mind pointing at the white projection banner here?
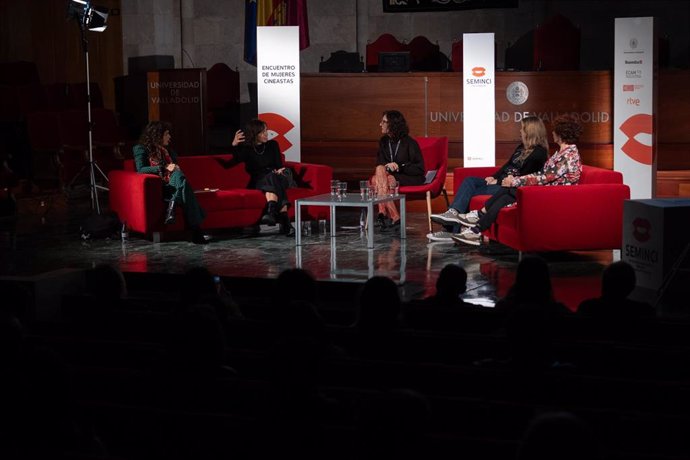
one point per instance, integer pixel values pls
(278, 86)
(478, 100)
(634, 137)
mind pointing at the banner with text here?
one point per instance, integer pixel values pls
(634, 137)
(278, 86)
(478, 81)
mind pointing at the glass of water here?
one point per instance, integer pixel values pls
(342, 186)
(334, 187)
(364, 189)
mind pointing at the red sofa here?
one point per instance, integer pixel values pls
(587, 216)
(138, 198)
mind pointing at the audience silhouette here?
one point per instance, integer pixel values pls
(289, 391)
(450, 285)
(533, 285)
(618, 280)
(560, 435)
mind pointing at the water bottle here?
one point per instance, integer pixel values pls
(363, 219)
(124, 232)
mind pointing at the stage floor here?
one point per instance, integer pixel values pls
(45, 237)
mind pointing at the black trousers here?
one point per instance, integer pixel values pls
(274, 183)
(500, 199)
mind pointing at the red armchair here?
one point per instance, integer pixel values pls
(435, 153)
(587, 216)
(138, 198)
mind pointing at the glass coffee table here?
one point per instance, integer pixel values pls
(350, 201)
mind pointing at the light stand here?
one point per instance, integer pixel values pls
(90, 18)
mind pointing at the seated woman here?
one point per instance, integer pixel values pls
(399, 159)
(563, 168)
(152, 156)
(264, 163)
(528, 157)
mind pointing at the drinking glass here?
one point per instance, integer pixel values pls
(393, 188)
(343, 189)
(364, 189)
(334, 187)
(306, 228)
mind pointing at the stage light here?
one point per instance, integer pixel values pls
(90, 17)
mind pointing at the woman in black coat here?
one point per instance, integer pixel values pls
(264, 164)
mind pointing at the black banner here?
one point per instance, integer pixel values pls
(412, 6)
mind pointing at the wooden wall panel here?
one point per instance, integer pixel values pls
(674, 107)
(340, 115)
(354, 99)
(347, 107)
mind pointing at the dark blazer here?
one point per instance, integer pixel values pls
(533, 163)
(407, 155)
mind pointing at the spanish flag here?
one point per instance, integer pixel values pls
(273, 13)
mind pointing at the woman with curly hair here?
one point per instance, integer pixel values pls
(563, 168)
(399, 159)
(153, 156)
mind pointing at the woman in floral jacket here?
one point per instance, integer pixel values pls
(563, 168)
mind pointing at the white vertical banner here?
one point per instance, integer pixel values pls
(478, 100)
(634, 137)
(278, 86)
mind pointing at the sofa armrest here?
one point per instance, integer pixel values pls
(459, 174)
(588, 216)
(313, 176)
(136, 198)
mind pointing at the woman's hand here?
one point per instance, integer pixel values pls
(491, 180)
(507, 181)
(239, 137)
(171, 167)
(392, 166)
(279, 171)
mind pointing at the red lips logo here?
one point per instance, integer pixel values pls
(640, 123)
(478, 71)
(642, 229)
(278, 127)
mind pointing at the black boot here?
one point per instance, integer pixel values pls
(286, 227)
(170, 213)
(271, 214)
(381, 221)
(198, 236)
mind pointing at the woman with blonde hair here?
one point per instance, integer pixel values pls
(562, 168)
(528, 157)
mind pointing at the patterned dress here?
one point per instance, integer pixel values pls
(563, 168)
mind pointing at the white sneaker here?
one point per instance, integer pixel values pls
(469, 219)
(448, 217)
(467, 236)
(443, 237)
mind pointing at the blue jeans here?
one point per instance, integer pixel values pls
(470, 187)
